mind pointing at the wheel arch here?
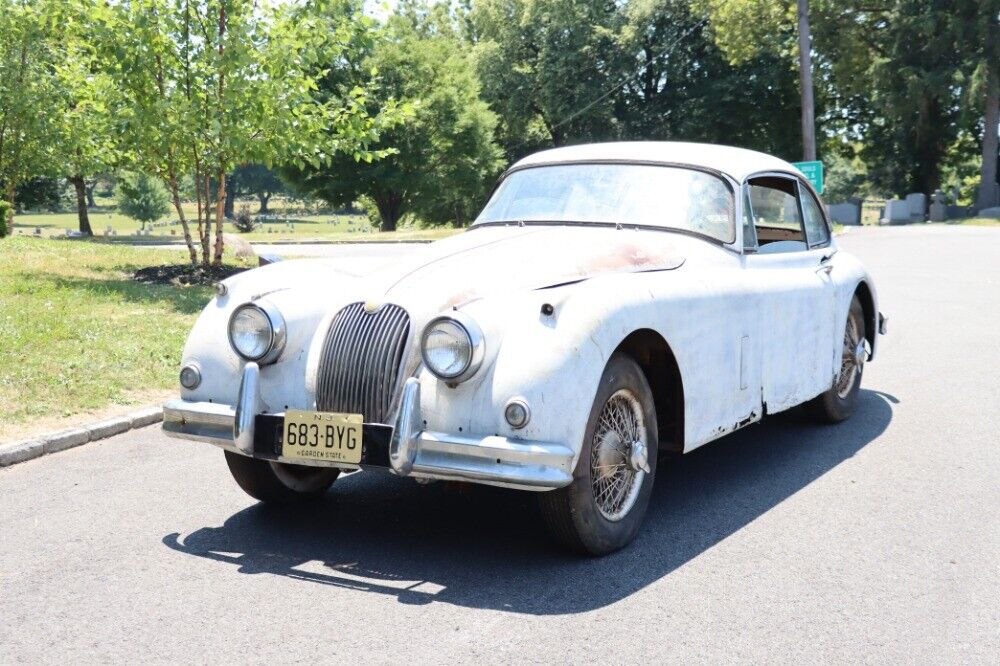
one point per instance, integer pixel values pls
(863, 292)
(656, 359)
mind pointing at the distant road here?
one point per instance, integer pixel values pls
(873, 541)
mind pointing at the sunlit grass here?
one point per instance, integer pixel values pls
(77, 333)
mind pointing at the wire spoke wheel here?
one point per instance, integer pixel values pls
(852, 360)
(615, 477)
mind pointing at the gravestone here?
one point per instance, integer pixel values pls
(897, 211)
(845, 213)
(939, 209)
(917, 203)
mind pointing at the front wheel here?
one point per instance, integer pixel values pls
(602, 509)
(279, 482)
(837, 403)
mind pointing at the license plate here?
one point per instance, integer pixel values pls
(322, 436)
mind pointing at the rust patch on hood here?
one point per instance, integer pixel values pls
(628, 257)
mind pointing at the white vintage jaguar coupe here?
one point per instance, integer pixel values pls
(611, 301)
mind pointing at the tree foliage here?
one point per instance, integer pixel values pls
(258, 180)
(443, 156)
(28, 58)
(142, 198)
(210, 84)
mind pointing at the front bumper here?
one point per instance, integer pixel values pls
(411, 450)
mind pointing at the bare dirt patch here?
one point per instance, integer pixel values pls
(185, 275)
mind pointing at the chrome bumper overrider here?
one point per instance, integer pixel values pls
(415, 452)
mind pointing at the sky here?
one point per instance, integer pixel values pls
(379, 8)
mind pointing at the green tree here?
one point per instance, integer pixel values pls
(679, 85)
(746, 28)
(547, 68)
(80, 111)
(979, 39)
(444, 154)
(27, 59)
(5, 208)
(209, 84)
(258, 180)
(142, 198)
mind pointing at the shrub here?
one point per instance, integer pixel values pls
(5, 210)
(244, 221)
(142, 198)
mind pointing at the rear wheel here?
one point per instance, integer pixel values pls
(602, 509)
(837, 403)
(279, 482)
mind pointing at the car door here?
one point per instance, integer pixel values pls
(790, 274)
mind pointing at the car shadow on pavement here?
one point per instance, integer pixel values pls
(482, 547)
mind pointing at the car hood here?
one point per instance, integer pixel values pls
(489, 260)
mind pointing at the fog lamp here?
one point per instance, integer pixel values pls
(517, 413)
(190, 376)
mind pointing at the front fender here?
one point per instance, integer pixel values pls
(553, 362)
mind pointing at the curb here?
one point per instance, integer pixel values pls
(28, 449)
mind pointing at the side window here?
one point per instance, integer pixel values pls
(777, 219)
(749, 234)
(816, 230)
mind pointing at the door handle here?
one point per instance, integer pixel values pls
(825, 269)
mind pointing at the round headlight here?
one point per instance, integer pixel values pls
(256, 332)
(452, 347)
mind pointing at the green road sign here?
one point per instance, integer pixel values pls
(813, 171)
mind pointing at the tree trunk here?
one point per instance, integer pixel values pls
(90, 195)
(989, 185)
(11, 195)
(806, 84)
(230, 211)
(220, 196)
(81, 205)
(175, 193)
(220, 205)
(264, 198)
(389, 208)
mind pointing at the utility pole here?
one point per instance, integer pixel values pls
(806, 84)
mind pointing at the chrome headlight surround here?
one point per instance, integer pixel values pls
(276, 331)
(471, 337)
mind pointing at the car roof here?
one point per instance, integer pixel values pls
(738, 163)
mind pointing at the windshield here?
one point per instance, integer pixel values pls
(657, 196)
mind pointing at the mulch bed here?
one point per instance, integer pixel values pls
(185, 275)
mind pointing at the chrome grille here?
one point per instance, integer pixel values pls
(360, 363)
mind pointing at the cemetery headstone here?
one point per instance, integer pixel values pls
(897, 211)
(845, 213)
(939, 209)
(917, 203)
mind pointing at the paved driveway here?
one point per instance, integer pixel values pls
(876, 540)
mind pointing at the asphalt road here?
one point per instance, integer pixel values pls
(877, 540)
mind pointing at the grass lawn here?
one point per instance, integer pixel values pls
(977, 221)
(309, 227)
(78, 334)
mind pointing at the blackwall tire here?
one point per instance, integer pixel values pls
(837, 403)
(603, 508)
(279, 482)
